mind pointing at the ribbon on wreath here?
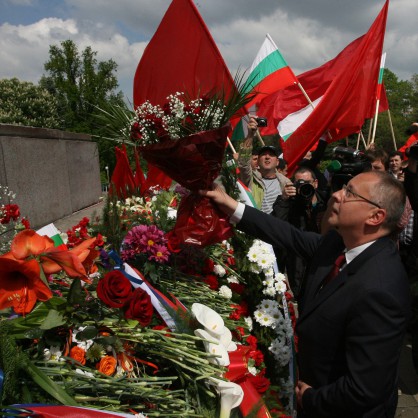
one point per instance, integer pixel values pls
(163, 305)
(238, 373)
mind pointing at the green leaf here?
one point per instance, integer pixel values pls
(76, 295)
(53, 319)
(88, 333)
(48, 385)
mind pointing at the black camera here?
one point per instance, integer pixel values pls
(261, 122)
(346, 163)
(304, 189)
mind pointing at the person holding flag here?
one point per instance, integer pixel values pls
(265, 182)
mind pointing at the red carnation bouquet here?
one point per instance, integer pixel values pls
(186, 139)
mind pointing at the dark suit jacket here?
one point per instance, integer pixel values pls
(351, 332)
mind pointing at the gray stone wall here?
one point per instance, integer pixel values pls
(53, 173)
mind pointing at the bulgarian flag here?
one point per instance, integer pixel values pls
(345, 87)
(268, 73)
(378, 93)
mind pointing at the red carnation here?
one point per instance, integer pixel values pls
(212, 281)
(114, 289)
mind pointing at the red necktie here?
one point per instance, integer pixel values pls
(338, 263)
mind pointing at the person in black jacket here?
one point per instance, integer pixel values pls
(350, 329)
(302, 204)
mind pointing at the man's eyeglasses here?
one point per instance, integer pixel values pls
(348, 193)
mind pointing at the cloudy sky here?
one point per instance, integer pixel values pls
(307, 32)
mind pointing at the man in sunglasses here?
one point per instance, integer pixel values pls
(352, 324)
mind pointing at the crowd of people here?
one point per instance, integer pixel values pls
(348, 243)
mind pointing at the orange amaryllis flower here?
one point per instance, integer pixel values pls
(28, 243)
(21, 285)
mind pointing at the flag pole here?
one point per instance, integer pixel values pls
(391, 130)
(309, 101)
(364, 141)
(230, 145)
(378, 91)
(358, 141)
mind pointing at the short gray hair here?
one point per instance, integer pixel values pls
(390, 194)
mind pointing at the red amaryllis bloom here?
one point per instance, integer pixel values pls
(114, 289)
(28, 243)
(139, 307)
(21, 285)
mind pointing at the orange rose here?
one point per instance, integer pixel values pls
(107, 365)
(78, 354)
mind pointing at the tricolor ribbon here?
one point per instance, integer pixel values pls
(159, 301)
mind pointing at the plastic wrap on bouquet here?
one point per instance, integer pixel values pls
(194, 162)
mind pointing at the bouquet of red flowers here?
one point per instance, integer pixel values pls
(186, 140)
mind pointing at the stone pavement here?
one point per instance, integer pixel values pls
(408, 379)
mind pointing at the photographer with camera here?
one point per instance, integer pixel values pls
(302, 204)
(265, 182)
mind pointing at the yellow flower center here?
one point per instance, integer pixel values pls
(150, 242)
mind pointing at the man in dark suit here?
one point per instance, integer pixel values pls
(350, 328)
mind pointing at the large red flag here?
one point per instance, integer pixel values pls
(181, 56)
(350, 97)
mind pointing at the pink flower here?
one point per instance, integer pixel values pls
(160, 254)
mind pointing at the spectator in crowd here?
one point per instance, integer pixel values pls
(265, 183)
(312, 160)
(301, 204)
(378, 158)
(395, 164)
(351, 326)
(282, 167)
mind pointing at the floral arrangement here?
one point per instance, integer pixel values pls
(131, 331)
(11, 220)
(178, 118)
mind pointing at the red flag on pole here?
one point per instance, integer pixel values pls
(122, 183)
(350, 97)
(181, 56)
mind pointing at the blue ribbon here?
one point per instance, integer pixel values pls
(119, 266)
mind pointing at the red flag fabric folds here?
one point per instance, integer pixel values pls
(122, 183)
(347, 85)
(181, 56)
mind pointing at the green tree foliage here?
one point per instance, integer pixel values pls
(81, 85)
(403, 110)
(24, 103)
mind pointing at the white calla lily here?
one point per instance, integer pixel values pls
(231, 395)
(226, 340)
(210, 319)
(214, 346)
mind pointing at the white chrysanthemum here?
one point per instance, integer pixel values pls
(249, 322)
(258, 314)
(268, 304)
(280, 287)
(253, 254)
(225, 292)
(269, 282)
(266, 320)
(219, 270)
(265, 261)
(280, 277)
(269, 273)
(269, 291)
